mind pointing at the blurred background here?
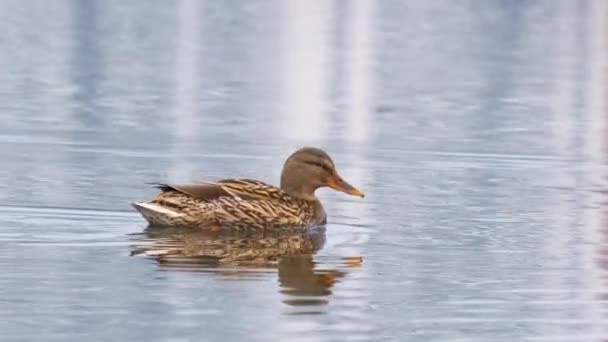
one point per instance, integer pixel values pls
(476, 129)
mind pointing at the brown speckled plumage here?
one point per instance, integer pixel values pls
(247, 203)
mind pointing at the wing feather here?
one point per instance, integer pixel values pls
(243, 189)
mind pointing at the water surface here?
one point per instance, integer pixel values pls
(477, 132)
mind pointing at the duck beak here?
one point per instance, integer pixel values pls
(336, 182)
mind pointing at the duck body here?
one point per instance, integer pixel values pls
(251, 204)
(233, 203)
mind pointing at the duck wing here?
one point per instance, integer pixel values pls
(242, 189)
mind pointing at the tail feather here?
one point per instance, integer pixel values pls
(156, 214)
(161, 186)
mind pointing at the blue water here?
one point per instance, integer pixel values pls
(476, 130)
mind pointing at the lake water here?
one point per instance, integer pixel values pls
(476, 129)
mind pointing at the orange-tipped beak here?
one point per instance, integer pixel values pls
(337, 183)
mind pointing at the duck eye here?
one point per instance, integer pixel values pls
(319, 164)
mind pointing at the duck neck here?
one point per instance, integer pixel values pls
(300, 191)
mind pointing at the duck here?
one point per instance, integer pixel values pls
(249, 204)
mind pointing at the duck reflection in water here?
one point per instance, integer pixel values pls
(235, 254)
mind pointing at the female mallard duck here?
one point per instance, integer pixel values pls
(246, 203)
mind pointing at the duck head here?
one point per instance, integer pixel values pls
(311, 168)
